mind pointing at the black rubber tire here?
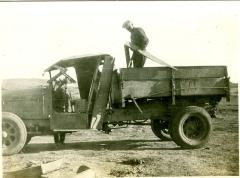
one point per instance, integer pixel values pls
(160, 129)
(191, 127)
(14, 133)
(28, 140)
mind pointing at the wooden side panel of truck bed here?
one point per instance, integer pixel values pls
(153, 82)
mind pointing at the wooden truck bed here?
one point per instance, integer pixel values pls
(151, 82)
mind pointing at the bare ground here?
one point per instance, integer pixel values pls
(136, 152)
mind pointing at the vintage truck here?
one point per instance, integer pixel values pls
(176, 103)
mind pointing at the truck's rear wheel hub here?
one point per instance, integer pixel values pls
(192, 128)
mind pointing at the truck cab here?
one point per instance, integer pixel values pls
(33, 109)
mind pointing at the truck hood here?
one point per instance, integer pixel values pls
(19, 84)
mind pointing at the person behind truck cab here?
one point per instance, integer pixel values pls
(61, 97)
(140, 40)
(58, 97)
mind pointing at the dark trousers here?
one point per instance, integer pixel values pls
(138, 59)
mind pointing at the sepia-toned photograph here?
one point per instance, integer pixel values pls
(119, 89)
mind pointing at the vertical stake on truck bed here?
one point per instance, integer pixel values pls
(173, 87)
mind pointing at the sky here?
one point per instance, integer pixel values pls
(35, 35)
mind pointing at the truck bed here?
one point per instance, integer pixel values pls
(151, 82)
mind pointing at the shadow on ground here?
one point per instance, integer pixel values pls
(100, 145)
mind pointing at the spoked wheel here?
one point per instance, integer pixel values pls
(14, 134)
(59, 137)
(160, 129)
(191, 128)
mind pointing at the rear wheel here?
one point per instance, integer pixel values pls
(191, 127)
(160, 129)
(14, 134)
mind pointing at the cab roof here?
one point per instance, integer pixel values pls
(75, 60)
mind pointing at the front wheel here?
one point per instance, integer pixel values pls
(29, 137)
(14, 133)
(191, 128)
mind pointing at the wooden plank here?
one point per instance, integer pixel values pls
(148, 55)
(51, 166)
(103, 94)
(127, 55)
(200, 72)
(159, 73)
(35, 171)
(93, 88)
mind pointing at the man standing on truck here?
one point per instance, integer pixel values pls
(138, 39)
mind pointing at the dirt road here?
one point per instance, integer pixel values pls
(135, 151)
